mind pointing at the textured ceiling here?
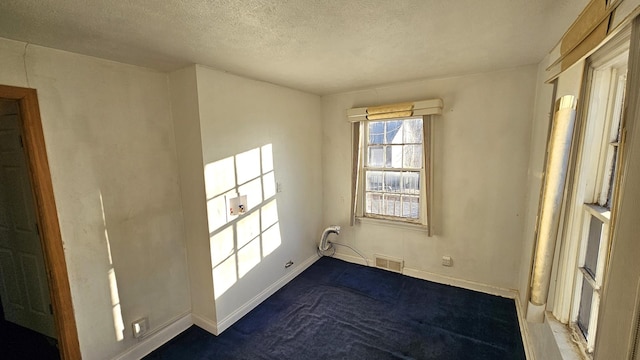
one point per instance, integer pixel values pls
(319, 46)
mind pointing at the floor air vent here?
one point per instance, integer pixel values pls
(390, 264)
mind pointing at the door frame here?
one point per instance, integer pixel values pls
(47, 215)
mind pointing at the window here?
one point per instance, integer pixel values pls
(600, 160)
(391, 162)
(393, 169)
(590, 209)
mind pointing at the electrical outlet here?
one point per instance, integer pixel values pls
(447, 261)
(238, 205)
(140, 327)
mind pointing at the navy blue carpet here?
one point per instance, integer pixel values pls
(19, 343)
(339, 310)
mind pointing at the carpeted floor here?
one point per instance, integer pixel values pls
(338, 310)
(18, 343)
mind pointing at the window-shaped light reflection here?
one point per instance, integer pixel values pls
(253, 191)
(269, 184)
(248, 165)
(238, 243)
(271, 240)
(224, 276)
(219, 177)
(269, 214)
(118, 323)
(221, 245)
(217, 211)
(116, 309)
(248, 228)
(249, 257)
(267, 158)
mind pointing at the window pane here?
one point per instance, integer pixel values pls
(593, 245)
(612, 178)
(373, 203)
(412, 156)
(376, 156)
(410, 207)
(374, 180)
(392, 181)
(584, 314)
(411, 182)
(413, 131)
(394, 132)
(392, 205)
(394, 156)
(376, 132)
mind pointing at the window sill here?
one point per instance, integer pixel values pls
(570, 348)
(391, 223)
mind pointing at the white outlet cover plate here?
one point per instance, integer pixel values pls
(238, 205)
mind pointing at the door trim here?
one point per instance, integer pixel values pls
(47, 215)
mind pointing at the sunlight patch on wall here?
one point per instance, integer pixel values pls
(217, 213)
(253, 190)
(220, 177)
(116, 310)
(224, 276)
(267, 158)
(248, 228)
(269, 214)
(248, 257)
(269, 185)
(118, 323)
(271, 240)
(239, 241)
(248, 165)
(221, 246)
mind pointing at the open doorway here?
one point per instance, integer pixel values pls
(50, 306)
(27, 326)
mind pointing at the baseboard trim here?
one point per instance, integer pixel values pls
(158, 338)
(205, 324)
(350, 258)
(251, 304)
(465, 284)
(440, 279)
(524, 328)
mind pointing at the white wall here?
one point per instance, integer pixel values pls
(481, 160)
(238, 115)
(109, 136)
(186, 118)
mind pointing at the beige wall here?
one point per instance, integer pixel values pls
(242, 258)
(110, 143)
(481, 159)
(186, 119)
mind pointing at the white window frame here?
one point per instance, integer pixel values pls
(425, 175)
(591, 197)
